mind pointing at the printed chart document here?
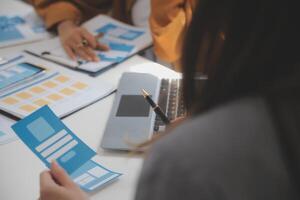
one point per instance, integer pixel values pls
(7, 135)
(49, 139)
(124, 41)
(19, 27)
(26, 86)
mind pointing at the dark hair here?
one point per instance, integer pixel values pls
(259, 53)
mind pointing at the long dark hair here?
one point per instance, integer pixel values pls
(258, 50)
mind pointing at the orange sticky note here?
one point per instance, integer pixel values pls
(41, 102)
(55, 97)
(67, 91)
(79, 85)
(50, 84)
(24, 95)
(10, 100)
(28, 108)
(62, 79)
(37, 89)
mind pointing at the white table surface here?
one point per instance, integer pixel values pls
(20, 168)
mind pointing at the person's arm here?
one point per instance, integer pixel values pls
(168, 22)
(54, 12)
(72, 36)
(64, 17)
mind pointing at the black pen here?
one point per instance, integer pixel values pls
(155, 107)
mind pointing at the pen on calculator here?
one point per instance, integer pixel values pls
(155, 107)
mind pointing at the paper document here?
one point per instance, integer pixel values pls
(49, 139)
(13, 74)
(6, 133)
(20, 27)
(124, 41)
(25, 86)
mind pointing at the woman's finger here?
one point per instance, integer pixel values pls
(60, 175)
(91, 53)
(72, 45)
(75, 47)
(70, 52)
(76, 38)
(102, 47)
(92, 42)
(99, 35)
(81, 52)
(46, 180)
(76, 41)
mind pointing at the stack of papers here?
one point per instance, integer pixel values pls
(18, 28)
(49, 139)
(25, 86)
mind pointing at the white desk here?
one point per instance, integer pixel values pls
(20, 168)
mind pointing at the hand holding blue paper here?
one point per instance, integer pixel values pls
(46, 136)
(56, 184)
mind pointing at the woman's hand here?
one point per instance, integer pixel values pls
(57, 185)
(77, 41)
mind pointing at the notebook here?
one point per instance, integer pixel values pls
(124, 41)
(26, 86)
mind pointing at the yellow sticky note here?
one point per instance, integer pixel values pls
(50, 84)
(23, 95)
(37, 90)
(67, 91)
(10, 100)
(41, 102)
(28, 108)
(79, 85)
(62, 79)
(55, 97)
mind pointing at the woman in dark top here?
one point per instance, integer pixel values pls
(241, 138)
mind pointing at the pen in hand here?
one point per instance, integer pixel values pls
(155, 107)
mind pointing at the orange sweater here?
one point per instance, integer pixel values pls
(55, 11)
(169, 21)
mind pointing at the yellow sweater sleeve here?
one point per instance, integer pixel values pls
(53, 12)
(168, 22)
